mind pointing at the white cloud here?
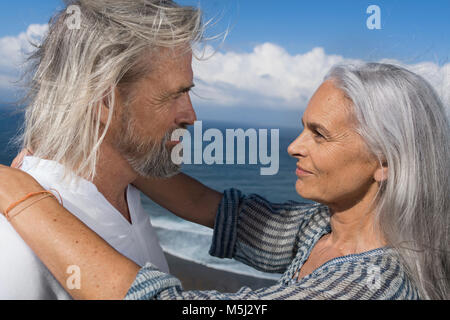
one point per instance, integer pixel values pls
(13, 51)
(271, 77)
(268, 76)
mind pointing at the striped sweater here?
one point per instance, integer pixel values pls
(278, 238)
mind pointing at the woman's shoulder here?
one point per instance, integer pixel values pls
(373, 275)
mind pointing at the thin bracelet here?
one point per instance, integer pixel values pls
(32, 194)
(60, 198)
(10, 216)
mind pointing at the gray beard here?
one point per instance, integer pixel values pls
(147, 158)
(156, 162)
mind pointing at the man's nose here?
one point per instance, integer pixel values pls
(186, 115)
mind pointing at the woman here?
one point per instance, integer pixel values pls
(374, 154)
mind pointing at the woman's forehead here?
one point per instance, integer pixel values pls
(329, 105)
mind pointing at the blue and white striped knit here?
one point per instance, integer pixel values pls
(278, 238)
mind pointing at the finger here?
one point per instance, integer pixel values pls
(18, 160)
(15, 164)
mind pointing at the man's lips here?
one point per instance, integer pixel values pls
(172, 143)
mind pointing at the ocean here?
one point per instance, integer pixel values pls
(184, 239)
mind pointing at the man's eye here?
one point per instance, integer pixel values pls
(318, 135)
(179, 95)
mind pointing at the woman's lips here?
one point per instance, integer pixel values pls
(301, 172)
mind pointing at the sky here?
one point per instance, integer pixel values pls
(276, 53)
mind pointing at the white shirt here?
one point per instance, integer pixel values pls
(24, 276)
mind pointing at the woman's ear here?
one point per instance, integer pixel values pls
(381, 173)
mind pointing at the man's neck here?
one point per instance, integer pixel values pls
(113, 175)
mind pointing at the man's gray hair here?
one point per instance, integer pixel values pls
(403, 123)
(76, 68)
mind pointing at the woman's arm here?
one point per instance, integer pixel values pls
(60, 240)
(184, 196)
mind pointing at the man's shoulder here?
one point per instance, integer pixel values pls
(50, 174)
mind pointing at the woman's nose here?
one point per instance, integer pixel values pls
(297, 147)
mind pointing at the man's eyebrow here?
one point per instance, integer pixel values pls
(180, 90)
(185, 89)
(315, 125)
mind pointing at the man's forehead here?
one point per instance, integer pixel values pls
(169, 66)
(164, 56)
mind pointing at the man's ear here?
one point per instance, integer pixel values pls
(104, 111)
(105, 108)
(381, 173)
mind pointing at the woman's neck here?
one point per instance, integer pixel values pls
(353, 227)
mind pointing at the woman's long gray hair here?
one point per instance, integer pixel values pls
(403, 123)
(80, 63)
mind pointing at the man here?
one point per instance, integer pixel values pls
(104, 100)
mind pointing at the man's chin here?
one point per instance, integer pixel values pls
(160, 174)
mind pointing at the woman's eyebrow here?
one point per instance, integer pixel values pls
(315, 125)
